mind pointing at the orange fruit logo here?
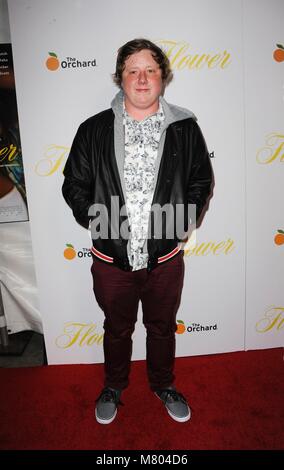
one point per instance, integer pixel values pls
(279, 237)
(180, 327)
(278, 54)
(69, 252)
(52, 62)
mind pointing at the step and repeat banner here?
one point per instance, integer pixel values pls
(227, 59)
(264, 149)
(18, 290)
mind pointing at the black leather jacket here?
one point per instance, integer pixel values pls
(91, 176)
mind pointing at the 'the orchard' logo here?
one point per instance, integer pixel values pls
(69, 252)
(180, 327)
(278, 54)
(279, 237)
(193, 327)
(52, 62)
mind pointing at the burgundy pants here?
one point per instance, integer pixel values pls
(118, 293)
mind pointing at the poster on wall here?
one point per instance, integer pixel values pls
(13, 201)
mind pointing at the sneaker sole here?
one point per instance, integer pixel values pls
(105, 421)
(177, 418)
(180, 420)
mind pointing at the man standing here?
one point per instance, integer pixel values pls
(146, 153)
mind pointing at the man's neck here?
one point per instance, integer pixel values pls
(141, 114)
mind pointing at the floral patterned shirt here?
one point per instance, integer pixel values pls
(141, 148)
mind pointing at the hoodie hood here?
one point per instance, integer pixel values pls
(172, 112)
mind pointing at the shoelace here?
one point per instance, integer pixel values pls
(173, 395)
(109, 395)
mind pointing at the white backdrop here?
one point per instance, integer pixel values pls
(221, 53)
(264, 117)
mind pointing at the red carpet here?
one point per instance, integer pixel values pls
(237, 401)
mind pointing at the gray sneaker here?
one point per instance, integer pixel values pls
(106, 405)
(175, 403)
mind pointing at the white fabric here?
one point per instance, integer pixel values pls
(17, 278)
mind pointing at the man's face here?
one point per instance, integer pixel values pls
(142, 83)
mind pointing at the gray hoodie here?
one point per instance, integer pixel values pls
(172, 114)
